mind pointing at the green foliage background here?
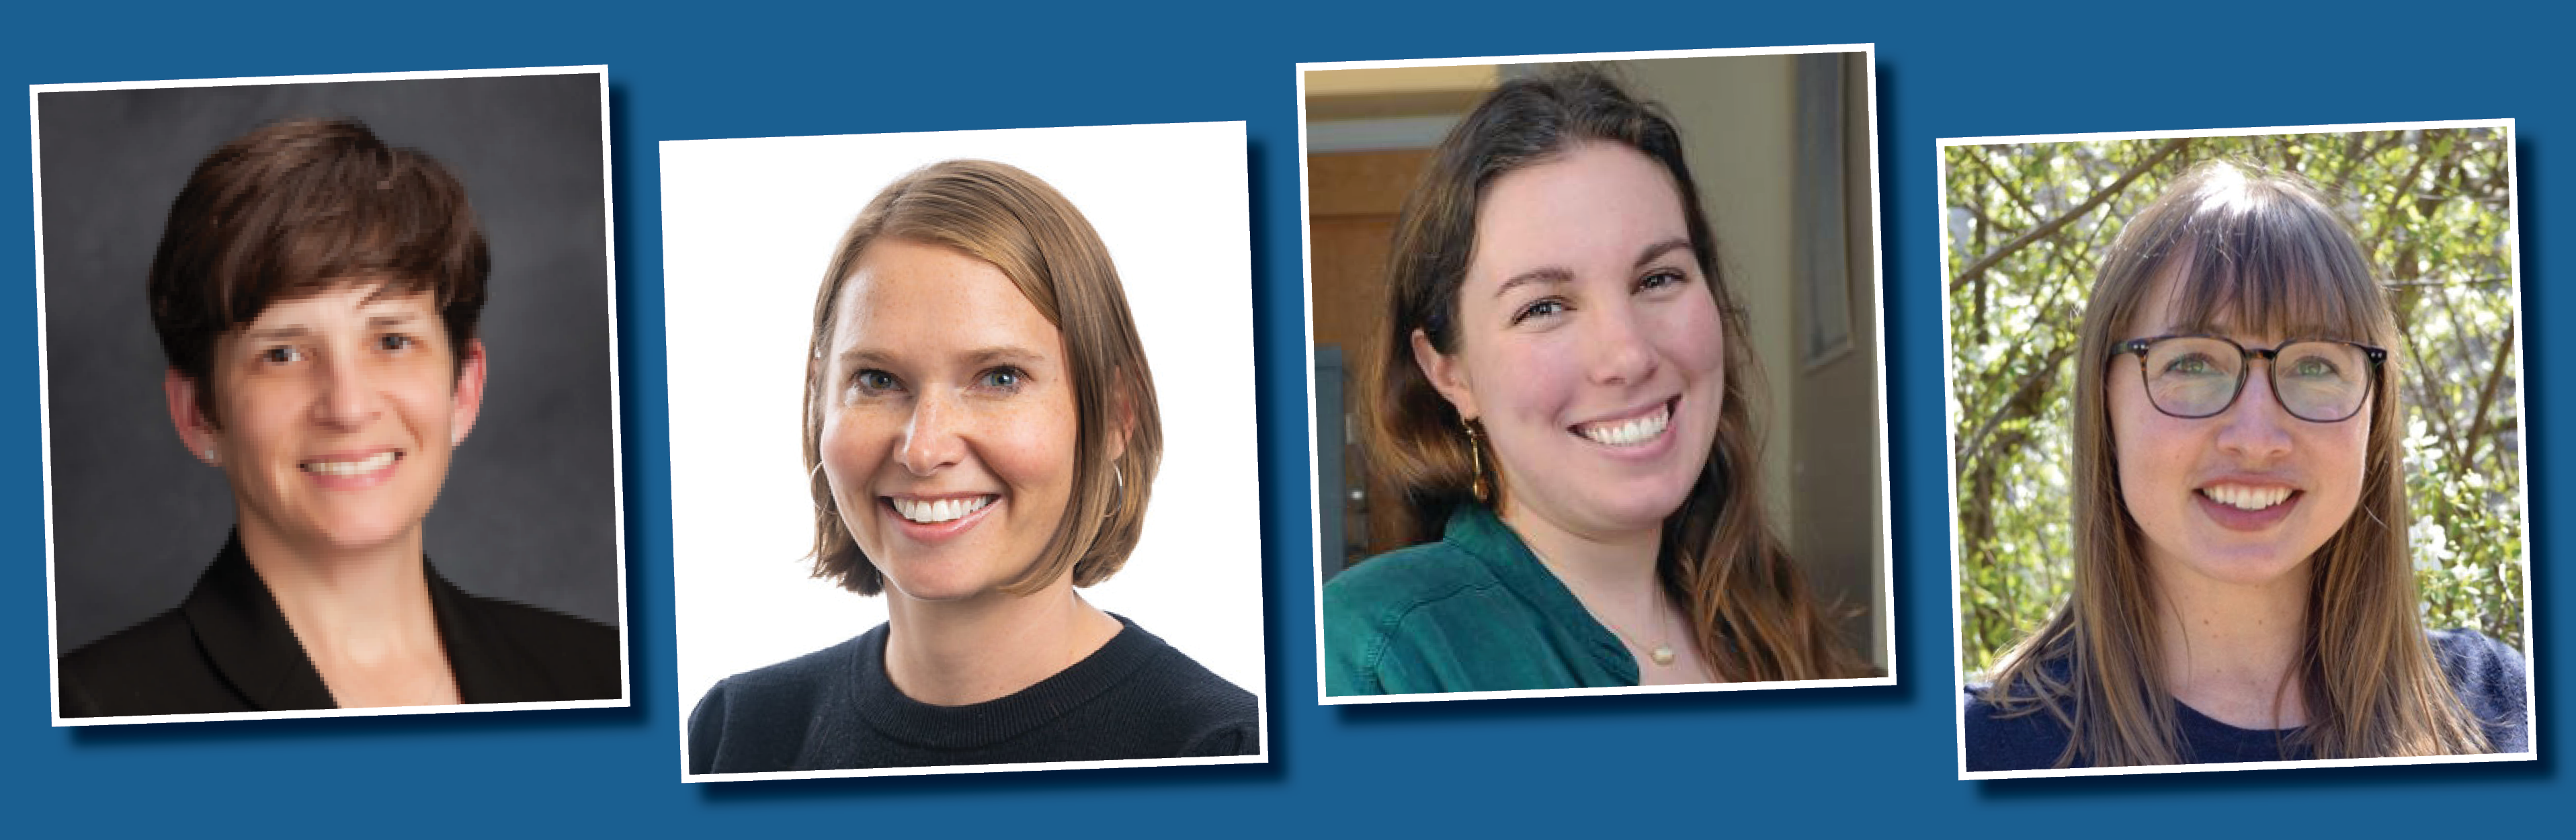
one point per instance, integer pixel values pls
(2027, 225)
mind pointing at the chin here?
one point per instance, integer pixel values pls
(1640, 507)
(349, 533)
(921, 587)
(2245, 566)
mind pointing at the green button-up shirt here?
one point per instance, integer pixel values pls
(1472, 612)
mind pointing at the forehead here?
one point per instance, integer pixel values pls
(371, 298)
(1593, 206)
(904, 298)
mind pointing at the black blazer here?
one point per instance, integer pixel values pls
(228, 649)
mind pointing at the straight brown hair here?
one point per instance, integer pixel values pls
(300, 207)
(1007, 217)
(1748, 605)
(2256, 251)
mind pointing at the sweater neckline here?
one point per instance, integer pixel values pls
(896, 716)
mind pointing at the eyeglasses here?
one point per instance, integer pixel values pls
(2314, 379)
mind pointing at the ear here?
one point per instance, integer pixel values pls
(1446, 376)
(196, 430)
(469, 391)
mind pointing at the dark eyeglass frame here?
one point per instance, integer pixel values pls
(2245, 368)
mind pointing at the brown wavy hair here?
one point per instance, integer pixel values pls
(300, 207)
(2260, 251)
(1007, 217)
(1748, 605)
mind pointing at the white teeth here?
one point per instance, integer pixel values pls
(942, 510)
(1629, 432)
(363, 466)
(2241, 497)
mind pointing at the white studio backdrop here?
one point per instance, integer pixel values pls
(748, 226)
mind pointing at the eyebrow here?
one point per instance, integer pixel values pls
(1559, 274)
(1651, 252)
(978, 357)
(275, 333)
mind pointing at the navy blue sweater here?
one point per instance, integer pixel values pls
(834, 709)
(2487, 676)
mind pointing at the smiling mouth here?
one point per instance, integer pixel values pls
(2242, 497)
(934, 511)
(1633, 431)
(345, 469)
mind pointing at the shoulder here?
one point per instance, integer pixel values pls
(1371, 608)
(540, 654)
(756, 720)
(1186, 704)
(2019, 736)
(2490, 678)
(147, 669)
(1384, 590)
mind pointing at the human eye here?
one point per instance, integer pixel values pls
(1006, 379)
(2191, 364)
(872, 382)
(2315, 367)
(1662, 279)
(283, 354)
(396, 342)
(1546, 307)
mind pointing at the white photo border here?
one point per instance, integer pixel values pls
(1950, 474)
(617, 475)
(1878, 293)
(710, 551)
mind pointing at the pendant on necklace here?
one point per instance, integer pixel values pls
(1663, 654)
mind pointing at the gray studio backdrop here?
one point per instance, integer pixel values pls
(529, 512)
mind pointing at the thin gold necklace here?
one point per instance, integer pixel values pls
(1661, 652)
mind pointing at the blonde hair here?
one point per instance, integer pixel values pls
(1007, 217)
(2260, 252)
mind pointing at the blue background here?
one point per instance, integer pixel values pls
(1872, 759)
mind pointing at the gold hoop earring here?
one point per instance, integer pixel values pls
(822, 508)
(1483, 491)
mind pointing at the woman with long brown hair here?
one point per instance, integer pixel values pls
(1563, 434)
(2241, 588)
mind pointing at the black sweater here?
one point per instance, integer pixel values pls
(2487, 676)
(835, 709)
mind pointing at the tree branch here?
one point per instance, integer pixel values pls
(2166, 150)
(2486, 398)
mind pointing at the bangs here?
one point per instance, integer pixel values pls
(388, 220)
(2254, 257)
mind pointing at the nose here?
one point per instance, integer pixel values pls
(2256, 428)
(931, 440)
(348, 400)
(1617, 350)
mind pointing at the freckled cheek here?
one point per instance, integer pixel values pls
(1030, 449)
(855, 443)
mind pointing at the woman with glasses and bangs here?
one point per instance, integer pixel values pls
(2241, 588)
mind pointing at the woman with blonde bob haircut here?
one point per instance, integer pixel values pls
(2241, 586)
(1564, 437)
(981, 434)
